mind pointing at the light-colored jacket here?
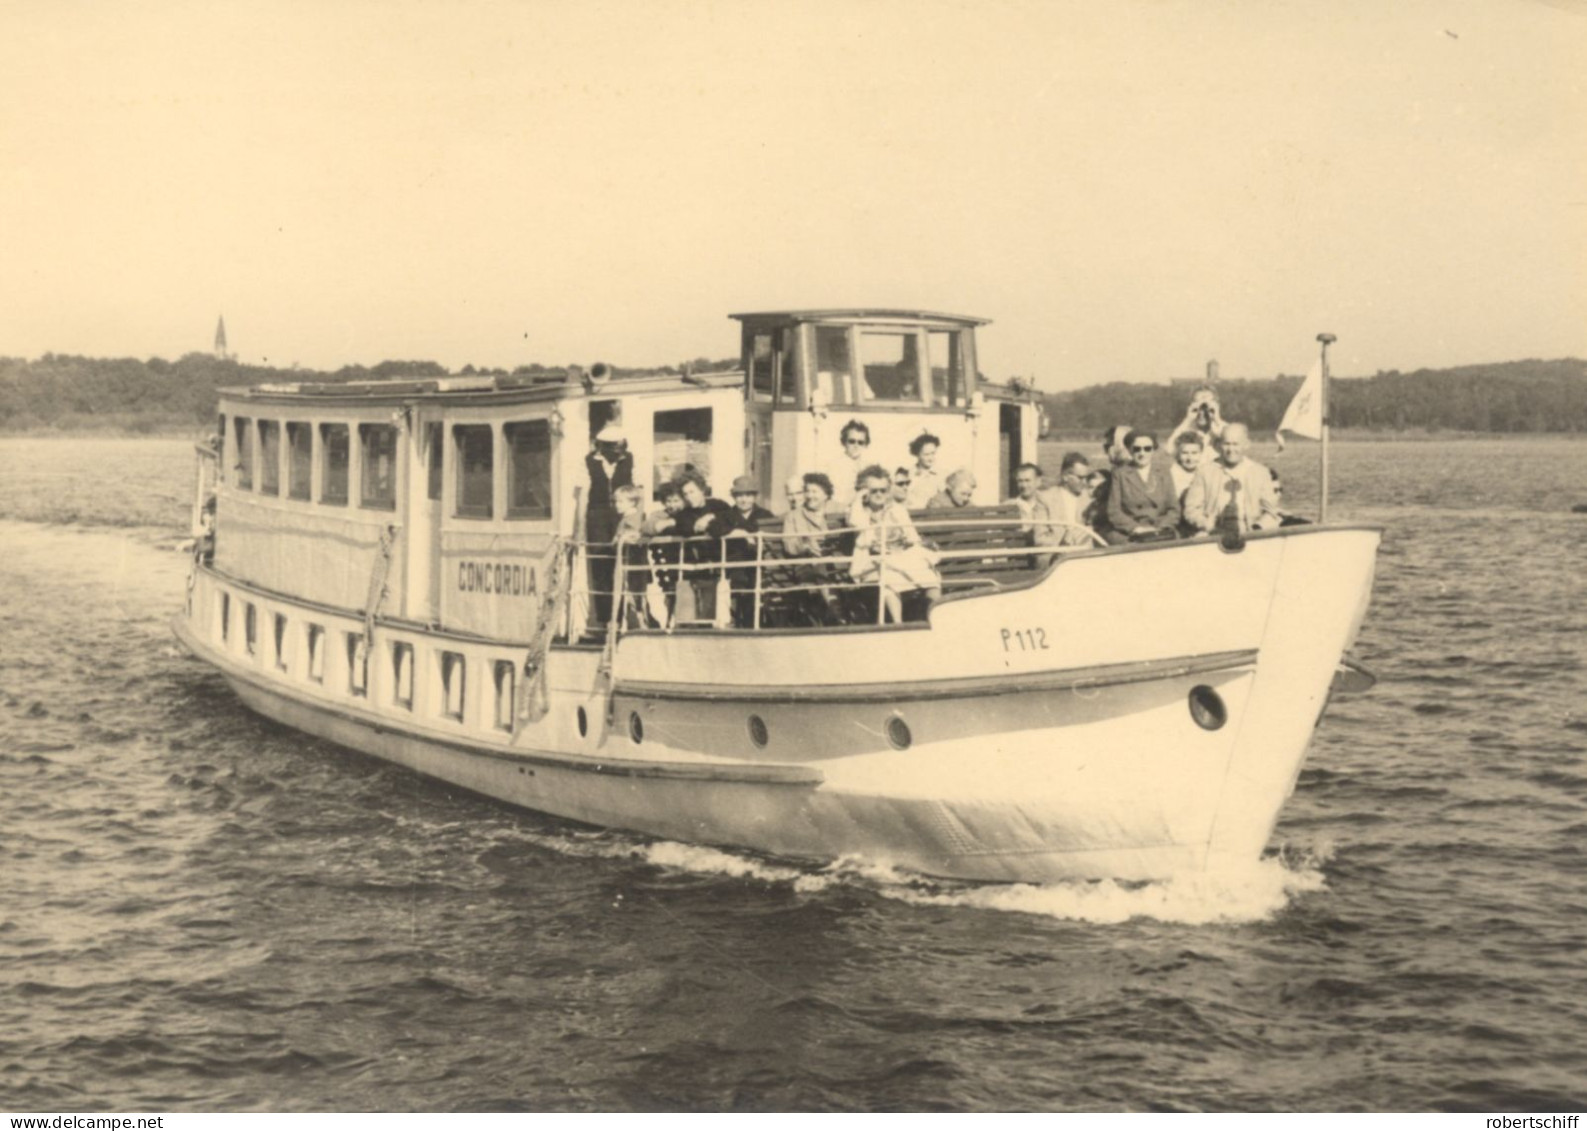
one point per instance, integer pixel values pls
(1209, 495)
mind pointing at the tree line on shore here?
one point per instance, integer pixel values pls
(63, 392)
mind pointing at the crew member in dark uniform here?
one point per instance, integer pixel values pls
(610, 467)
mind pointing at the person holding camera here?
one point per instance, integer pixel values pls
(1204, 418)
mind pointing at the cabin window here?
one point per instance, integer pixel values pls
(379, 487)
(432, 446)
(280, 642)
(528, 468)
(475, 470)
(762, 384)
(269, 457)
(947, 368)
(834, 366)
(220, 448)
(402, 674)
(453, 672)
(890, 366)
(250, 629)
(357, 665)
(334, 444)
(242, 429)
(681, 442)
(316, 653)
(788, 368)
(506, 673)
(300, 460)
(225, 617)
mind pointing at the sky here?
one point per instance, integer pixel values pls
(1127, 189)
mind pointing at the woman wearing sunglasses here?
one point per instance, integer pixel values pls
(1142, 503)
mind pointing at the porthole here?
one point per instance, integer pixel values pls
(757, 731)
(584, 723)
(636, 727)
(898, 733)
(1207, 708)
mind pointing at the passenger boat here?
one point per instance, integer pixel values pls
(399, 567)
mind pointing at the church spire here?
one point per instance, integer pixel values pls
(220, 338)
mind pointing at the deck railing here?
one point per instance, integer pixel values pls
(747, 580)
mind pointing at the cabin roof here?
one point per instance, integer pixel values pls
(511, 389)
(859, 314)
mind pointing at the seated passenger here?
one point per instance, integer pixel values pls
(1033, 509)
(902, 479)
(1142, 503)
(844, 468)
(1118, 455)
(1066, 506)
(744, 523)
(794, 492)
(705, 521)
(1187, 458)
(807, 530)
(956, 492)
(888, 550)
(924, 481)
(1232, 492)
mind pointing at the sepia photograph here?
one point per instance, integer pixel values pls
(792, 557)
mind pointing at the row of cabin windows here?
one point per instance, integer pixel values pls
(454, 665)
(259, 446)
(527, 445)
(856, 366)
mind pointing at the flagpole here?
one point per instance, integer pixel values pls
(1322, 508)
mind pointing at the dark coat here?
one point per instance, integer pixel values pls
(600, 516)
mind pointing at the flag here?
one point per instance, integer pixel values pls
(1304, 414)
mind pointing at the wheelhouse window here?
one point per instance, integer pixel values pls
(334, 445)
(834, 365)
(506, 673)
(528, 468)
(402, 674)
(890, 365)
(300, 460)
(250, 629)
(357, 665)
(225, 617)
(762, 378)
(316, 653)
(269, 457)
(453, 673)
(432, 448)
(378, 489)
(242, 430)
(220, 447)
(282, 658)
(947, 368)
(476, 470)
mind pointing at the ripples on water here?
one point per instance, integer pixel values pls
(202, 910)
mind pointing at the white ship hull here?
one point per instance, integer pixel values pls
(1033, 734)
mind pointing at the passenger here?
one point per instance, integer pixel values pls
(1203, 419)
(794, 491)
(925, 482)
(610, 466)
(744, 524)
(704, 521)
(844, 469)
(1232, 491)
(664, 555)
(807, 529)
(1034, 514)
(956, 492)
(1066, 505)
(630, 555)
(902, 478)
(1142, 503)
(206, 529)
(1284, 517)
(1187, 458)
(889, 551)
(1118, 457)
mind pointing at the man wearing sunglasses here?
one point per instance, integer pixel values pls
(1142, 503)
